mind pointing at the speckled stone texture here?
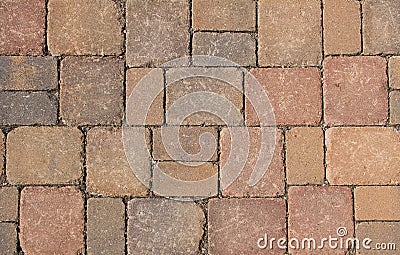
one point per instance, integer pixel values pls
(394, 107)
(9, 204)
(8, 238)
(381, 233)
(394, 72)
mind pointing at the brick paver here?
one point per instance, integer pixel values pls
(394, 107)
(9, 204)
(394, 72)
(8, 238)
(2, 152)
(378, 232)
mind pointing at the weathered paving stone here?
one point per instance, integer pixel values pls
(8, 239)
(2, 153)
(51, 220)
(377, 203)
(8, 204)
(394, 72)
(105, 226)
(52, 155)
(360, 156)
(164, 227)
(355, 90)
(22, 27)
(91, 91)
(318, 212)
(289, 33)
(305, 155)
(381, 26)
(379, 232)
(80, 27)
(239, 48)
(28, 108)
(295, 95)
(235, 225)
(28, 73)
(395, 107)
(157, 31)
(236, 15)
(342, 25)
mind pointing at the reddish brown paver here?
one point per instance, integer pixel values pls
(318, 212)
(394, 72)
(8, 204)
(51, 220)
(153, 227)
(2, 152)
(394, 107)
(362, 155)
(355, 90)
(235, 225)
(8, 239)
(382, 234)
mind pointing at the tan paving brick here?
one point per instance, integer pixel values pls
(153, 227)
(51, 220)
(2, 152)
(382, 233)
(394, 107)
(8, 239)
(355, 90)
(8, 204)
(394, 72)
(365, 155)
(52, 155)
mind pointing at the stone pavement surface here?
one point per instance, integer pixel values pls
(75, 77)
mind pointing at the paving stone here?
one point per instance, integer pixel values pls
(355, 90)
(80, 27)
(52, 155)
(394, 72)
(395, 107)
(305, 155)
(28, 108)
(381, 26)
(91, 91)
(237, 15)
(105, 226)
(377, 203)
(8, 204)
(272, 182)
(22, 27)
(108, 170)
(51, 220)
(294, 93)
(237, 47)
(28, 73)
(318, 212)
(8, 239)
(360, 156)
(2, 152)
(379, 232)
(342, 26)
(153, 227)
(157, 31)
(236, 225)
(289, 33)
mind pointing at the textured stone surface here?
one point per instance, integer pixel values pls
(395, 107)
(51, 220)
(236, 225)
(237, 47)
(394, 72)
(105, 226)
(377, 203)
(342, 24)
(28, 73)
(2, 152)
(80, 27)
(8, 239)
(22, 27)
(355, 90)
(28, 108)
(305, 155)
(157, 31)
(294, 93)
(367, 155)
(8, 204)
(381, 26)
(153, 227)
(91, 91)
(378, 232)
(289, 33)
(52, 155)
(318, 212)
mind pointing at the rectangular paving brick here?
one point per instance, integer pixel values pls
(52, 155)
(2, 152)
(236, 15)
(105, 226)
(78, 27)
(235, 225)
(305, 155)
(377, 203)
(355, 90)
(51, 220)
(318, 212)
(28, 73)
(8, 239)
(157, 31)
(22, 27)
(383, 234)
(290, 33)
(365, 155)
(156, 219)
(394, 72)
(8, 204)
(342, 26)
(28, 108)
(91, 91)
(394, 107)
